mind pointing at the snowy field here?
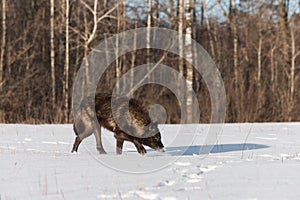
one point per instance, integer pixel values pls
(250, 161)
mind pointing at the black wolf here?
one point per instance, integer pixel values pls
(134, 124)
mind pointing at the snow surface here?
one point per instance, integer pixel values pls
(250, 161)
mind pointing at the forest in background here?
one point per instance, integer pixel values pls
(254, 43)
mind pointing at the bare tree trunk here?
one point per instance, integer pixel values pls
(217, 42)
(180, 34)
(202, 15)
(292, 75)
(259, 52)
(124, 24)
(194, 19)
(211, 42)
(78, 49)
(180, 47)
(235, 42)
(107, 57)
(273, 67)
(66, 71)
(124, 15)
(195, 36)
(156, 21)
(133, 57)
(3, 45)
(85, 55)
(294, 55)
(118, 70)
(283, 20)
(189, 58)
(52, 53)
(237, 82)
(148, 29)
(157, 8)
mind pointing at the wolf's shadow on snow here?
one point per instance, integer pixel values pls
(213, 149)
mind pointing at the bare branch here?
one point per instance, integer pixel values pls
(83, 36)
(149, 72)
(108, 12)
(224, 11)
(87, 6)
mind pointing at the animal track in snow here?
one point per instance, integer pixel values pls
(208, 168)
(193, 178)
(166, 183)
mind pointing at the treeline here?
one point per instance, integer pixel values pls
(255, 44)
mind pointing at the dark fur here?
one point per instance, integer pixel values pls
(137, 123)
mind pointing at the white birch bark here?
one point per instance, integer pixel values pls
(235, 42)
(189, 67)
(180, 34)
(294, 55)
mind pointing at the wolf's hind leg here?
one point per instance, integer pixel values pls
(99, 146)
(79, 138)
(119, 145)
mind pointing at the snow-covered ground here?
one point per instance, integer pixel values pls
(250, 161)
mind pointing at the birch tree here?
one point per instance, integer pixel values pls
(90, 35)
(180, 48)
(189, 59)
(294, 55)
(180, 34)
(235, 41)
